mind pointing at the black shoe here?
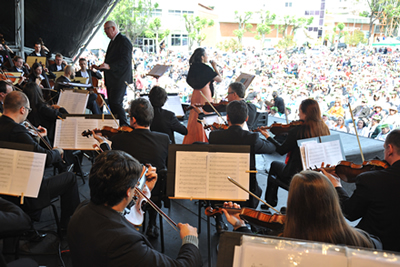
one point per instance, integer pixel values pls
(152, 231)
(221, 227)
(35, 236)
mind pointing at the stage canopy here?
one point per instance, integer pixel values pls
(64, 26)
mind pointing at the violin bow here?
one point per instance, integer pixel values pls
(213, 107)
(244, 189)
(104, 103)
(355, 128)
(154, 206)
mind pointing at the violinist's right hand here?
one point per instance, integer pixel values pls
(42, 131)
(331, 176)
(60, 150)
(233, 219)
(263, 132)
(186, 229)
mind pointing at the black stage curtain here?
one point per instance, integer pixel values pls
(64, 25)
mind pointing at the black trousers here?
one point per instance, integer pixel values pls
(275, 173)
(115, 99)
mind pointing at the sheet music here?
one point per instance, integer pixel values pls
(201, 175)
(68, 133)
(73, 102)
(21, 172)
(191, 172)
(222, 165)
(328, 152)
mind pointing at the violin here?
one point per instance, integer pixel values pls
(220, 107)
(274, 221)
(135, 209)
(108, 131)
(279, 128)
(216, 126)
(348, 171)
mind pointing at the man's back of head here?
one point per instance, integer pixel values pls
(238, 88)
(14, 101)
(142, 111)
(237, 111)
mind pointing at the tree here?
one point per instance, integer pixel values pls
(300, 23)
(376, 7)
(154, 31)
(341, 33)
(286, 42)
(264, 28)
(133, 16)
(243, 25)
(355, 38)
(194, 26)
(282, 28)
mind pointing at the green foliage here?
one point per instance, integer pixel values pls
(286, 42)
(230, 45)
(264, 28)
(355, 38)
(364, 14)
(154, 31)
(133, 16)
(194, 26)
(243, 25)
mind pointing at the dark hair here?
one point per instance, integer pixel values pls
(393, 138)
(82, 59)
(197, 54)
(35, 96)
(142, 111)
(16, 58)
(363, 122)
(314, 125)
(158, 96)
(34, 67)
(314, 213)
(237, 111)
(112, 174)
(238, 88)
(59, 55)
(3, 86)
(14, 101)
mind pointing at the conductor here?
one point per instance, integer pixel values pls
(117, 69)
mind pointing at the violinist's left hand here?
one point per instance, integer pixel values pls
(101, 139)
(151, 176)
(263, 132)
(233, 219)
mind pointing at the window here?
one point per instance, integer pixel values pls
(321, 22)
(321, 15)
(288, 4)
(311, 13)
(157, 12)
(310, 29)
(179, 39)
(306, 13)
(179, 13)
(316, 12)
(322, 6)
(315, 29)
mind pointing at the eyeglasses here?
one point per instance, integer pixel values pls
(230, 93)
(29, 109)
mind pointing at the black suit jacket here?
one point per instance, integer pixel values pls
(235, 135)
(24, 70)
(146, 147)
(53, 67)
(119, 57)
(376, 201)
(58, 87)
(91, 74)
(165, 121)
(252, 113)
(100, 236)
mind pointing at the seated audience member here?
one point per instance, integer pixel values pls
(361, 127)
(336, 110)
(375, 199)
(164, 121)
(100, 235)
(340, 125)
(385, 129)
(16, 109)
(314, 214)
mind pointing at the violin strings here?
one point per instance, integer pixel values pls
(168, 220)
(213, 107)
(241, 187)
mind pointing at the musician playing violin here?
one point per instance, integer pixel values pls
(313, 213)
(376, 198)
(99, 234)
(313, 126)
(147, 147)
(20, 66)
(5, 88)
(235, 135)
(236, 91)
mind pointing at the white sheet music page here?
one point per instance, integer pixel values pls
(327, 152)
(191, 174)
(220, 166)
(25, 172)
(65, 133)
(73, 102)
